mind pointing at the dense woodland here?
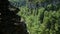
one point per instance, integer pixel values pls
(41, 16)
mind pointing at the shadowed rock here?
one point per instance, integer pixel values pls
(10, 23)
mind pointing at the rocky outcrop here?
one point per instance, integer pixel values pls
(10, 23)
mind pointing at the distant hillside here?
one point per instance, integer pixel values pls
(19, 3)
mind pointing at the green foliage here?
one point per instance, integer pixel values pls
(49, 25)
(41, 21)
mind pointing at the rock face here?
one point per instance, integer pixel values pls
(10, 23)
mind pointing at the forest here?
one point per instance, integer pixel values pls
(41, 16)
